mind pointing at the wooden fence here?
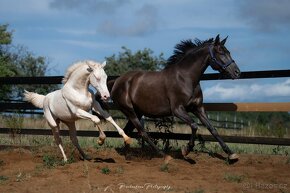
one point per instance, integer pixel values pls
(236, 107)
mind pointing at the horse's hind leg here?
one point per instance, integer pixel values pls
(54, 124)
(73, 137)
(130, 113)
(129, 127)
(182, 114)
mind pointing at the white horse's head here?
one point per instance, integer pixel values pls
(98, 78)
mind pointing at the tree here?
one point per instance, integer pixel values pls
(6, 67)
(127, 61)
(16, 60)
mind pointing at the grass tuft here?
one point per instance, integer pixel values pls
(120, 170)
(234, 177)
(164, 168)
(195, 191)
(3, 179)
(50, 161)
(1, 163)
(105, 170)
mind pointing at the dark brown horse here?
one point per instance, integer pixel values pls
(175, 90)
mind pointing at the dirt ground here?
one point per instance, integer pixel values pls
(24, 171)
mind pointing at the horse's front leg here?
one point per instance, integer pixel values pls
(82, 114)
(126, 138)
(200, 113)
(102, 136)
(98, 109)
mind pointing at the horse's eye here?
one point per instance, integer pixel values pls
(98, 79)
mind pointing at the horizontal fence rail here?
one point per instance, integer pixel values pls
(23, 107)
(156, 135)
(211, 76)
(236, 107)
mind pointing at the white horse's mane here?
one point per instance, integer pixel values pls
(75, 66)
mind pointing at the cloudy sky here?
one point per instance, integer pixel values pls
(69, 30)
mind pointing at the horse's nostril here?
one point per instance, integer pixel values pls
(238, 72)
(106, 97)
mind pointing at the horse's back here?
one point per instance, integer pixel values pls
(144, 91)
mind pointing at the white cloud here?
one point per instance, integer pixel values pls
(85, 44)
(265, 16)
(89, 6)
(76, 32)
(142, 21)
(242, 92)
(23, 8)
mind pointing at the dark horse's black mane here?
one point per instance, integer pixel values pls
(183, 47)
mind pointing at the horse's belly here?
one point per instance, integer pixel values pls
(60, 110)
(154, 108)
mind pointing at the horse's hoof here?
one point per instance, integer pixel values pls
(101, 141)
(234, 156)
(87, 157)
(184, 151)
(128, 140)
(167, 158)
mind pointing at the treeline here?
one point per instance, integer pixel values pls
(16, 60)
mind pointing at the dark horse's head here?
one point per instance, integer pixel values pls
(221, 60)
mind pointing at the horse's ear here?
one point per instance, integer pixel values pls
(224, 41)
(89, 69)
(104, 64)
(217, 40)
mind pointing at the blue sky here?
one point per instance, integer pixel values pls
(66, 31)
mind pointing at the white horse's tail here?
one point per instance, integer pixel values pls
(34, 98)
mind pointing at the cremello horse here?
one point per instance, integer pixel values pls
(74, 100)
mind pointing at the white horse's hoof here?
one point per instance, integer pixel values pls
(101, 141)
(167, 158)
(234, 156)
(128, 140)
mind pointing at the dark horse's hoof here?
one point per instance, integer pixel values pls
(234, 156)
(184, 151)
(87, 157)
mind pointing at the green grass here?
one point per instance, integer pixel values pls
(26, 140)
(288, 160)
(195, 191)
(229, 177)
(214, 147)
(120, 170)
(51, 161)
(164, 168)
(1, 163)
(105, 170)
(3, 179)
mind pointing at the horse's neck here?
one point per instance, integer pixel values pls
(79, 81)
(195, 64)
